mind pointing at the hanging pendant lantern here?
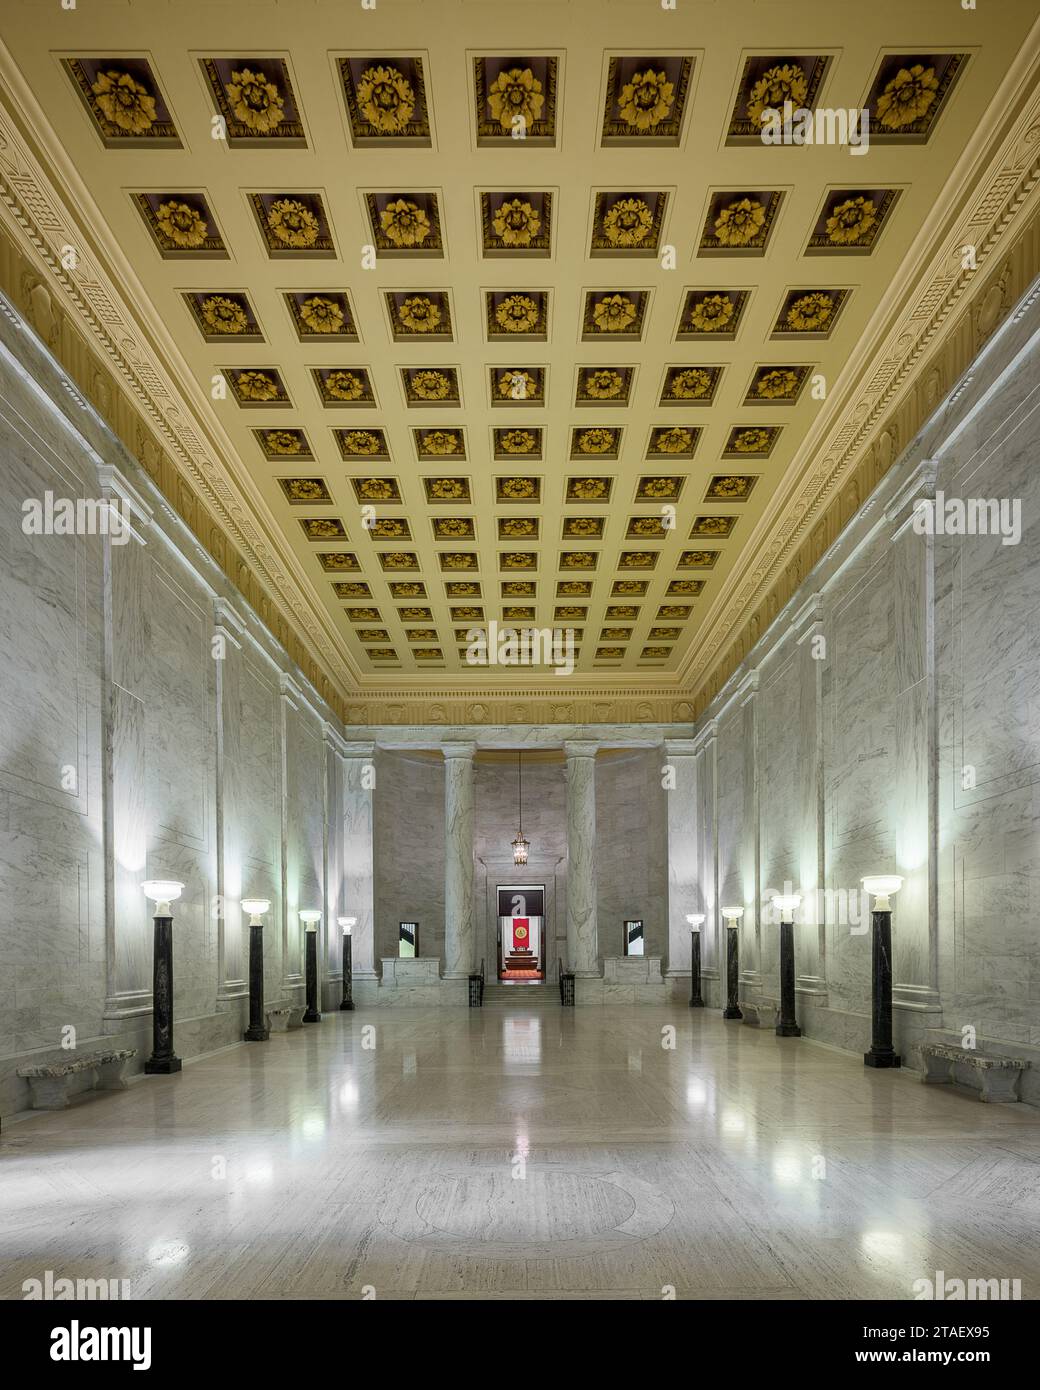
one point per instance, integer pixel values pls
(521, 845)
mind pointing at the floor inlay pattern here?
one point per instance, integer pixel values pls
(517, 1153)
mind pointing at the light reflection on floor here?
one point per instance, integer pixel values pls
(524, 1153)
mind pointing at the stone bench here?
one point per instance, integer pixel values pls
(999, 1075)
(282, 1017)
(760, 1013)
(49, 1081)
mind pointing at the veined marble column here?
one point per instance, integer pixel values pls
(582, 934)
(458, 860)
(228, 630)
(126, 596)
(358, 862)
(680, 771)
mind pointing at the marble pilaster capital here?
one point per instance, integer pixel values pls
(332, 738)
(920, 486)
(680, 747)
(460, 750)
(580, 748)
(353, 749)
(706, 736)
(228, 621)
(807, 621)
(119, 491)
(747, 689)
(289, 690)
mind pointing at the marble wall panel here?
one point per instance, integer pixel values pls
(304, 803)
(630, 830)
(120, 740)
(925, 713)
(409, 850)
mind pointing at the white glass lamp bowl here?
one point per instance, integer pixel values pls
(732, 914)
(881, 887)
(787, 905)
(256, 907)
(347, 923)
(310, 917)
(162, 892)
(695, 918)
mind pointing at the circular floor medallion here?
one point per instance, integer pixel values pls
(554, 1212)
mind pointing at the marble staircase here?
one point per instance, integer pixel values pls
(533, 996)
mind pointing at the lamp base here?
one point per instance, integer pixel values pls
(697, 1003)
(256, 1034)
(882, 1059)
(347, 1004)
(312, 1016)
(162, 1066)
(788, 1030)
(731, 1012)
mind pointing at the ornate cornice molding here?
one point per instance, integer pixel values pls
(930, 326)
(49, 211)
(940, 315)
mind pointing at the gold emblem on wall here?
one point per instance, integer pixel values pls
(851, 220)
(182, 225)
(627, 223)
(124, 100)
(908, 93)
(256, 386)
(645, 100)
(447, 489)
(343, 387)
(739, 223)
(293, 225)
(712, 314)
(221, 315)
(278, 445)
(766, 82)
(515, 100)
(255, 99)
(385, 100)
(517, 223)
(361, 444)
(522, 314)
(321, 316)
(405, 224)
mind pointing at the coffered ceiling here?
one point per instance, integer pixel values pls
(506, 312)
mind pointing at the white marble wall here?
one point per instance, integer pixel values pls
(149, 727)
(889, 721)
(631, 845)
(409, 849)
(631, 849)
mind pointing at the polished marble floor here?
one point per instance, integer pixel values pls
(521, 1153)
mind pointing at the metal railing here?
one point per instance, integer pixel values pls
(476, 988)
(566, 983)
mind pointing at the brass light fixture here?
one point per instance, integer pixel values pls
(520, 844)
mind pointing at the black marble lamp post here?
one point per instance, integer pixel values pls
(695, 920)
(310, 918)
(787, 1024)
(348, 924)
(882, 1053)
(257, 1030)
(163, 1060)
(732, 916)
